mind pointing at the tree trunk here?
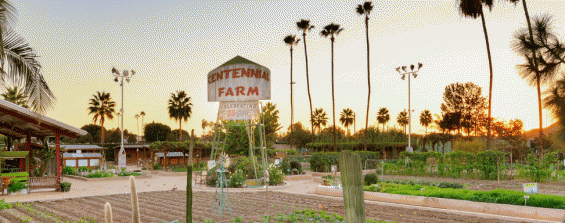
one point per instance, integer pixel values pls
(291, 100)
(491, 76)
(189, 180)
(180, 130)
(333, 95)
(102, 131)
(308, 84)
(368, 79)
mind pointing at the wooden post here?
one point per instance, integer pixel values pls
(28, 148)
(58, 154)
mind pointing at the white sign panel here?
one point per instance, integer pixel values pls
(239, 80)
(244, 110)
(531, 188)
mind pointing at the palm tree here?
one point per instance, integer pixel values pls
(402, 119)
(291, 40)
(555, 102)
(180, 108)
(18, 61)
(305, 26)
(365, 9)
(332, 30)
(142, 114)
(16, 96)
(426, 119)
(319, 119)
(102, 107)
(346, 119)
(539, 68)
(136, 116)
(474, 9)
(383, 117)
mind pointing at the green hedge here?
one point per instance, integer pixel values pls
(321, 162)
(499, 196)
(355, 146)
(18, 176)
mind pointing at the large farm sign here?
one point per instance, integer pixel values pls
(239, 80)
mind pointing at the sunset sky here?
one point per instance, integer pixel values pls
(172, 45)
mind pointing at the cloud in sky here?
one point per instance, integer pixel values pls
(172, 45)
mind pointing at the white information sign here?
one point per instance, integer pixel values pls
(242, 110)
(122, 159)
(239, 80)
(531, 188)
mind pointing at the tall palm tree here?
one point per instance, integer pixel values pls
(332, 30)
(383, 117)
(142, 114)
(18, 61)
(319, 119)
(16, 96)
(136, 116)
(555, 102)
(365, 9)
(102, 107)
(346, 119)
(539, 68)
(402, 119)
(180, 109)
(426, 119)
(474, 9)
(291, 40)
(305, 26)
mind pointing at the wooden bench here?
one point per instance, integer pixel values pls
(43, 182)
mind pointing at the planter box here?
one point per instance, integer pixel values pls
(107, 178)
(22, 191)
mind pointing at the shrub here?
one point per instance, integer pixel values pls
(322, 162)
(370, 178)
(65, 186)
(67, 170)
(275, 176)
(285, 166)
(83, 169)
(212, 177)
(237, 179)
(128, 174)
(16, 186)
(99, 175)
(291, 152)
(296, 165)
(156, 166)
(450, 185)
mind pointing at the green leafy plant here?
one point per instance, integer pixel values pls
(16, 186)
(65, 186)
(67, 170)
(370, 178)
(5, 205)
(237, 179)
(83, 169)
(275, 176)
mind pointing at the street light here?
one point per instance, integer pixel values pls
(126, 74)
(404, 72)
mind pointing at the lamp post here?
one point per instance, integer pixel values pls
(404, 72)
(124, 74)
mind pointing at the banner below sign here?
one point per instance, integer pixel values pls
(242, 110)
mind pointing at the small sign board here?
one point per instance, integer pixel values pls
(334, 168)
(277, 161)
(238, 110)
(211, 164)
(531, 188)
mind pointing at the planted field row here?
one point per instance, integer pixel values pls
(170, 205)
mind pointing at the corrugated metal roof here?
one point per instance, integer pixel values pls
(133, 146)
(171, 154)
(82, 155)
(75, 147)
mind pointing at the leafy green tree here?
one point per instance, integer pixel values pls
(466, 100)
(19, 61)
(291, 40)
(270, 116)
(301, 135)
(156, 132)
(94, 130)
(237, 141)
(402, 119)
(331, 31)
(365, 10)
(426, 119)
(319, 119)
(474, 9)
(305, 26)
(346, 119)
(383, 117)
(180, 108)
(102, 107)
(176, 134)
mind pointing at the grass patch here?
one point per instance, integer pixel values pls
(498, 196)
